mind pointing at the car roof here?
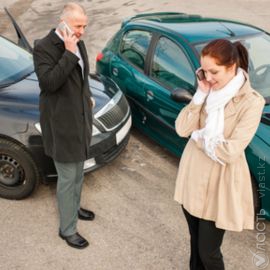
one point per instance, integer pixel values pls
(193, 28)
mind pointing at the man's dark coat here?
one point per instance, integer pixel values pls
(65, 105)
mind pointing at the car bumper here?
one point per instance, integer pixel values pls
(104, 148)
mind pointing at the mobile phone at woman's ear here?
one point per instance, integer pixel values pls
(201, 75)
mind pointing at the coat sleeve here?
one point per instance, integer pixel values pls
(188, 119)
(243, 133)
(52, 75)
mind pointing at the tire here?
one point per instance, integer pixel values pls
(19, 175)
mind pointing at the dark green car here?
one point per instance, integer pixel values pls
(153, 58)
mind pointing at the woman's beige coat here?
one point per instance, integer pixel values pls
(207, 189)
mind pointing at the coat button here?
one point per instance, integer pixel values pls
(236, 99)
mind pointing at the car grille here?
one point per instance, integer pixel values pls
(115, 116)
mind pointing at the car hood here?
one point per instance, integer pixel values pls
(26, 92)
(103, 89)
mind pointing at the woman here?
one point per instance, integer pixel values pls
(213, 183)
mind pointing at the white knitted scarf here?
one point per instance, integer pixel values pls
(212, 133)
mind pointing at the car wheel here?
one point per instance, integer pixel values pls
(19, 175)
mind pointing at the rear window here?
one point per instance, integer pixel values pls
(134, 47)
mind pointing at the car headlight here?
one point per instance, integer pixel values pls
(95, 130)
(38, 127)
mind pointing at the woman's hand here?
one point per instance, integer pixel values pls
(203, 84)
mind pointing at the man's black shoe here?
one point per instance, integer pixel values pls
(75, 240)
(86, 214)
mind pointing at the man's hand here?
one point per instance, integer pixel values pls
(93, 102)
(70, 41)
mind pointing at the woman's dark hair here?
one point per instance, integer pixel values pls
(227, 53)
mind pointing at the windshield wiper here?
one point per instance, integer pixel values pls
(5, 85)
(230, 32)
(27, 75)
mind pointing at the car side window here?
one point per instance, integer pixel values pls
(134, 47)
(170, 66)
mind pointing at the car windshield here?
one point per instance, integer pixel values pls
(15, 62)
(259, 61)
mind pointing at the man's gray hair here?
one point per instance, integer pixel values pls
(71, 9)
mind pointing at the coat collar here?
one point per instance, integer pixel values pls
(55, 39)
(84, 55)
(230, 108)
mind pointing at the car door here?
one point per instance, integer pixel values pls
(127, 68)
(169, 70)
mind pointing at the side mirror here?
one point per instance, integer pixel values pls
(181, 95)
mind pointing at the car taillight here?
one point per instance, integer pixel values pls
(99, 57)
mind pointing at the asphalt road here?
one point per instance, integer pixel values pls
(138, 225)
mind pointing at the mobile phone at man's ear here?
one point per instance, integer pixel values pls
(63, 26)
(201, 75)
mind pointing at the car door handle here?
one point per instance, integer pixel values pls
(149, 95)
(115, 71)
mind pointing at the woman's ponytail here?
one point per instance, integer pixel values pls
(243, 55)
(227, 53)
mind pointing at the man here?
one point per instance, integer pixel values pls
(62, 67)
